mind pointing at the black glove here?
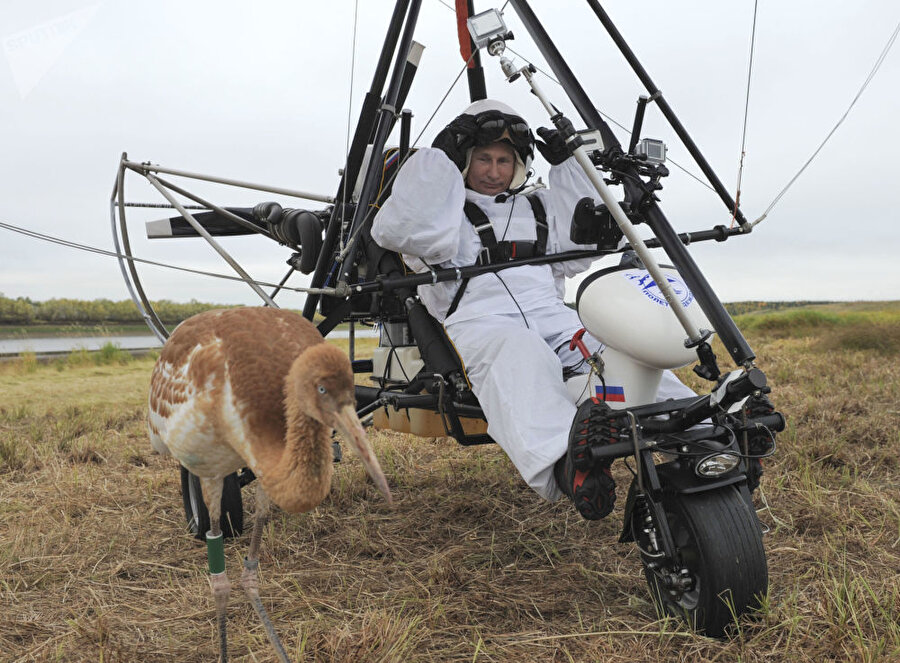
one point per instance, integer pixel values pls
(553, 148)
(456, 139)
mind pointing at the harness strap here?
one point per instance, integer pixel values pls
(482, 226)
(458, 296)
(540, 220)
(492, 251)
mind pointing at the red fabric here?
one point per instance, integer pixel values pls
(462, 29)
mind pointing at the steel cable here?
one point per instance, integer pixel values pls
(875, 68)
(113, 254)
(737, 195)
(350, 107)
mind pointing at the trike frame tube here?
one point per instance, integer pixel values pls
(144, 168)
(364, 129)
(731, 336)
(657, 96)
(387, 112)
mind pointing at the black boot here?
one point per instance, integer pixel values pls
(589, 485)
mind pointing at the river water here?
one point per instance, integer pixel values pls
(140, 342)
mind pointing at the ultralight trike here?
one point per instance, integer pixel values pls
(694, 461)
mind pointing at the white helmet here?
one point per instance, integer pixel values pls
(487, 121)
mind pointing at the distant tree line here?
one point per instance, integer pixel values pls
(24, 311)
(739, 308)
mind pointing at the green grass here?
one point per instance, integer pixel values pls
(49, 330)
(832, 328)
(469, 564)
(75, 329)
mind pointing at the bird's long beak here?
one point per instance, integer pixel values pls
(350, 427)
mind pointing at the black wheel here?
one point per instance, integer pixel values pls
(196, 514)
(723, 572)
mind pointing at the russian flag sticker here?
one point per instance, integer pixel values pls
(613, 394)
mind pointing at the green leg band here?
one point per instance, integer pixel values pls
(215, 553)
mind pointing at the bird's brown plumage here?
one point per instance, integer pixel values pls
(240, 388)
(257, 388)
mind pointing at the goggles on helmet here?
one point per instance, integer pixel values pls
(494, 125)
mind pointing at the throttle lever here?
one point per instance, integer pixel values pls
(576, 342)
(593, 360)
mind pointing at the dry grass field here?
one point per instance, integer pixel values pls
(468, 565)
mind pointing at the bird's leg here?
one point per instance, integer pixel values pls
(263, 504)
(250, 575)
(215, 553)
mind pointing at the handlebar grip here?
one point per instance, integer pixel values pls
(614, 450)
(774, 422)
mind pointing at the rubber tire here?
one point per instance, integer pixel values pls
(196, 513)
(720, 541)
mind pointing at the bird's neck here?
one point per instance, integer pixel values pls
(301, 478)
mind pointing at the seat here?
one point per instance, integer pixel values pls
(437, 399)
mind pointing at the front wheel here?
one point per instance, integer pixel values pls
(722, 572)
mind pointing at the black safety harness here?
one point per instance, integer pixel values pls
(494, 252)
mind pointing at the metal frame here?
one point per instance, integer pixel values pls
(123, 246)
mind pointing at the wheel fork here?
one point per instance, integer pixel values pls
(676, 579)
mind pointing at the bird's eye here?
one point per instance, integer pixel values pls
(322, 389)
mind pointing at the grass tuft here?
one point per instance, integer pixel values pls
(880, 338)
(29, 362)
(111, 353)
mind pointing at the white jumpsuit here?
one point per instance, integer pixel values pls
(511, 328)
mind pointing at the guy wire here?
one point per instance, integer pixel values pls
(350, 107)
(113, 254)
(737, 195)
(875, 68)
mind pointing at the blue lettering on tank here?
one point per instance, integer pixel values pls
(647, 285)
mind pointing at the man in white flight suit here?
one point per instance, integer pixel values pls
(511, 328)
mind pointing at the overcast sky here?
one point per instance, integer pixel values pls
(262, 91)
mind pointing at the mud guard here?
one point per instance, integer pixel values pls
(677, 477)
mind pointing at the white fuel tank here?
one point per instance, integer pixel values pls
(624, 308)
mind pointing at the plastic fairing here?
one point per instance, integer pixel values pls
(625, 309)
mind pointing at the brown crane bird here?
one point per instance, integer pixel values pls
(257, 388)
